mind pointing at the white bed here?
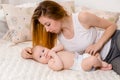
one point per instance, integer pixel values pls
(14, 67)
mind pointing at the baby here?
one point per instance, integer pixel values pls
(60, 59)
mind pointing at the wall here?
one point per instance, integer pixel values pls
(110, 5)
(18, 1)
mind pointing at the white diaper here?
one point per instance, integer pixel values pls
(77, 61)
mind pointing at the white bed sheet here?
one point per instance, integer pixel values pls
(14, 67)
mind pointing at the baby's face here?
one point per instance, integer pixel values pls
(40, 54)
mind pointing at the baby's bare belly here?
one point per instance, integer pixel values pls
(67, 58)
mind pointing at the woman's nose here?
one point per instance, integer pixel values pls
(47, 29)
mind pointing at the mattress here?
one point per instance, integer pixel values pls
(14, 67)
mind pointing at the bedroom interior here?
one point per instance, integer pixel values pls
(15, 34)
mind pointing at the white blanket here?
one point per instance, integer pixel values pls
(14, 67)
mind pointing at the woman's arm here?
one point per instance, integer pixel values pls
(57, 48)
(90, 20)
(55, 63)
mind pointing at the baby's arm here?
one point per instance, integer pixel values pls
(26, 53)
(57, 48)
(55, 62)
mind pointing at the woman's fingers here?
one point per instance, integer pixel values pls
(91, 51)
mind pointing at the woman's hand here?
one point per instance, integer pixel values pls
(94, 48)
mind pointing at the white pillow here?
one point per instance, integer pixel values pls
(111, 16)
(26, 5)
(3, 28)
(18, 20)
(3, 24)
(2, 15)
(118, 23)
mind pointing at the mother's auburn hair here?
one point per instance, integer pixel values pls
(51, 10)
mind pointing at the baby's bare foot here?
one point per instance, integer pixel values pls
(107, 67)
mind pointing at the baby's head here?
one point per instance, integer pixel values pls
(40, 54)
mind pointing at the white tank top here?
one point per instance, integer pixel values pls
(82, 37)
(105, 50)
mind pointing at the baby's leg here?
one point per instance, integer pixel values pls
(91, 62)
(106, 66)
(98, 56)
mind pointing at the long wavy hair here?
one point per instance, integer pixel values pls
(51, 10)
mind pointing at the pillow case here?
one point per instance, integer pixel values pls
(3, 24)
(111, 16)
(3, 28)
(18, 20)
(68, 6)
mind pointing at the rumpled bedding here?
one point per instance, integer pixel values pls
(14, 67)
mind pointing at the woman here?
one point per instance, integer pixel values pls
(76, 32)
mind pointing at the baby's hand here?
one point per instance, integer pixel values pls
(26, 53)
(52, 53)
(51, 61)
(46, 52)
(27, 50)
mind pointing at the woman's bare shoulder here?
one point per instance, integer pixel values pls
(84, 19)
(84, 16)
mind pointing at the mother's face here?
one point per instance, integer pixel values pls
(53, 26)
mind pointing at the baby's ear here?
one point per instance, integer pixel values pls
(27, 55)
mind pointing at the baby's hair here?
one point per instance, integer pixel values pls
(33, 48)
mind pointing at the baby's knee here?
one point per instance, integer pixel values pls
(88, 63)
(93, 59)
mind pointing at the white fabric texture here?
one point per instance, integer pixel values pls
(14, 67)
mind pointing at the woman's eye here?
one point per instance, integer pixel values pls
(48, 24)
